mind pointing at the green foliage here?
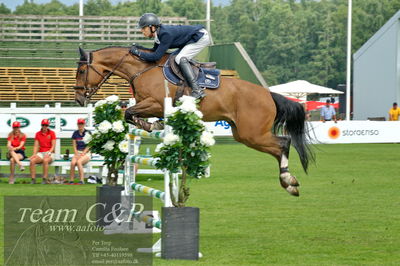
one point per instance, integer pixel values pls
(112, 143)
(186, 149)
(193, 9)
(4, 9)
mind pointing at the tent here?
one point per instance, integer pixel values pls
(301, 88)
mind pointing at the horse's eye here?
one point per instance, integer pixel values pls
(81, 71)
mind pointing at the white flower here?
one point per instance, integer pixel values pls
(118, 126)
(117, 107)
(123, 146)
(87, 138)
(171, 139)
(112, 99)
(188, 107)
(104, 126)
(205, 156)
(199, 114)
(188, 99)
(159, 147)
(109, 145)
(207, 139)
(127, 136)
(95, 132)
(100, 103)
(170, 111)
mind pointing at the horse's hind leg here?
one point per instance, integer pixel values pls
(286, 179)
(277, 147)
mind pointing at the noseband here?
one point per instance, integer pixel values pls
(89, 92)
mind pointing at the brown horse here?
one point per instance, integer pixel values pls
(255, 114)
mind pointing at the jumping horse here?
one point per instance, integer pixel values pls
(255, 114)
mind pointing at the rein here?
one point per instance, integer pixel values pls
(136, 75)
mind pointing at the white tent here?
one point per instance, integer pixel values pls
(301, 88)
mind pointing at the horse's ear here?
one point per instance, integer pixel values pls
(84, 55)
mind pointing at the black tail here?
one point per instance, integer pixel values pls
(290, 119)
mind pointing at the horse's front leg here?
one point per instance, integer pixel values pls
(144, 109)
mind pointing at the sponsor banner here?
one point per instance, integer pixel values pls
(355, 132)
(219, 128)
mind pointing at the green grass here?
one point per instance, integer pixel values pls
(347, 214)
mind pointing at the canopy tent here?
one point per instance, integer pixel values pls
(301, 88)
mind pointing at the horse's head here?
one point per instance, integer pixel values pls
(89, 77)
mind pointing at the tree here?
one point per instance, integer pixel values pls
(4, 9)
(149, 6)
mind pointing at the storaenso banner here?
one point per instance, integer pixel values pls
(64, 231)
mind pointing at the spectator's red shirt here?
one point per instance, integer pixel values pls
(45, 140)
(16, 140)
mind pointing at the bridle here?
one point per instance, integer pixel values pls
(89, 92)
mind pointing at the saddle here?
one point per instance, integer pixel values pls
(206, 74)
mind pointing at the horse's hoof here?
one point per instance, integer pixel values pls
(293, 191)
(288, 180)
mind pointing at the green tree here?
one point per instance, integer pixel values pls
(98, 8)
(149, 6)
(28, 8)
(4, 9)
(192, 9)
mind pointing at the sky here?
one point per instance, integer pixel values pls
(13, 3)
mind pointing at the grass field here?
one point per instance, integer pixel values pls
(347, 213)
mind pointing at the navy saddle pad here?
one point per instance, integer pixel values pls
(208, 78)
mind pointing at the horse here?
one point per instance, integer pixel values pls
(255, 114)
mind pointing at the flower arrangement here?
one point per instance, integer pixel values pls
(110, 138)
(187, 147)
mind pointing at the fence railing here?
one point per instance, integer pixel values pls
(74, 28)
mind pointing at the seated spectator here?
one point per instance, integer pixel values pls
(81, 152)
(43, 151)
(394, 113)
(16, 149)
(124, 106)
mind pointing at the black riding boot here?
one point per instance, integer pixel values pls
(188, 74)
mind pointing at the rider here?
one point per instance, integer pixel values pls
(189, 40)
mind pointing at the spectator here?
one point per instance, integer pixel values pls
(43, 148)
(124, 106)
(328, 112)
(16, 149)
(81, 152)
(394, 113)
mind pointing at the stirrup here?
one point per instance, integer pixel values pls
(198, 94)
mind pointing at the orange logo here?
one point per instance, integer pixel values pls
(334, 132)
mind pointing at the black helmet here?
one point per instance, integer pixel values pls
(148, 19)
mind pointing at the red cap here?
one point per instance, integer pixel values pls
(16, 124)
(45, 122)
(81, 121)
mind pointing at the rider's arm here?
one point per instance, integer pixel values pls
(147, 49)
(161, 49)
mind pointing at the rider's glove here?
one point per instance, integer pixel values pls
(135, 51)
